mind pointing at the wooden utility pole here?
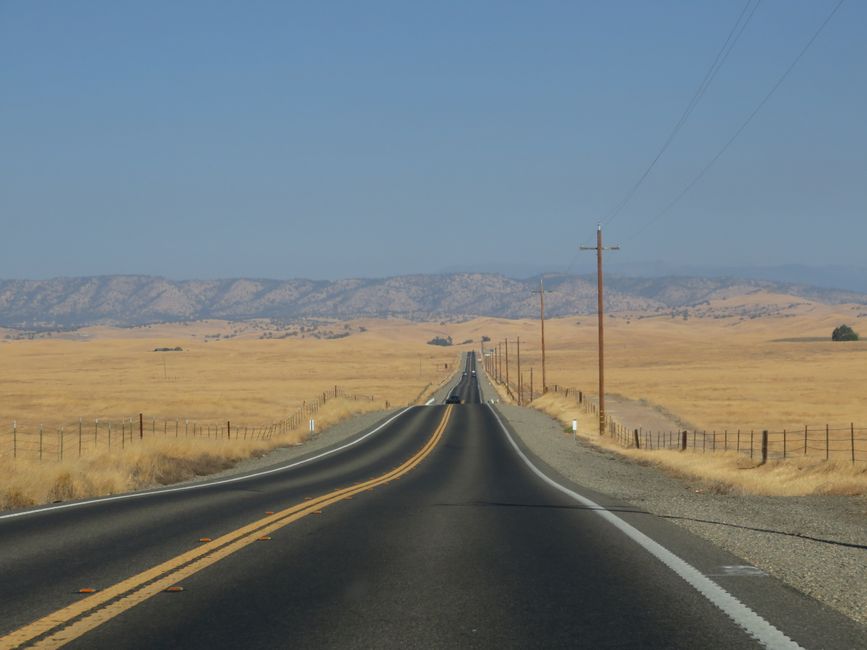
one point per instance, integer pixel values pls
(531, 383)
(599, 299)
(541, 293)
(507, 364)
(520, 376)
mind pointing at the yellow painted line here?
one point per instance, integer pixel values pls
(80, 617)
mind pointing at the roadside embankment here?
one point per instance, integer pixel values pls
(163, 461)
(722, 472)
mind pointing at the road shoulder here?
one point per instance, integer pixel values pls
(818, 545)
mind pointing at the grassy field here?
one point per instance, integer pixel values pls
(714, 373)
(114, 374)
(724, 472)
(714, 369)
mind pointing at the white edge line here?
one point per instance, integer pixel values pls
(204, 484)
(430, 401)
(756, 626)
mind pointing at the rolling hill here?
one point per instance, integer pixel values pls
(134, 300)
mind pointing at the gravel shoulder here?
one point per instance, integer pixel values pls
(817, 544)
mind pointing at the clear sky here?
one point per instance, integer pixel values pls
(335, 139)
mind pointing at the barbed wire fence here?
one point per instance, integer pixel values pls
(82, 437)
(817, 441)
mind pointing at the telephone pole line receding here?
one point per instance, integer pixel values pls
(541, 293)
(599, 299)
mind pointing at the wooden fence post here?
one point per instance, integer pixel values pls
(805, 439)
(784, 444)
(751, 443)
(635, 436)
(683, 441)
(826, 442)
(79, 437)
(229, 429)
(764, 447)
(140, 427)
(40, 442)
(852, 438)
(14, 439)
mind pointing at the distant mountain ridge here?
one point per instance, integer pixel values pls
(134, 300)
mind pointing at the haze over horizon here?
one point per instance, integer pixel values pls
(214, 140)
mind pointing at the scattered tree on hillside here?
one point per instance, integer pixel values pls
(844, 333)
(439, 340)
(485, 339)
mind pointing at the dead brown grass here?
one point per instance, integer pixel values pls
(721, 371)
(153, 462)
(776, 372)
(114, 374)
(725, 471)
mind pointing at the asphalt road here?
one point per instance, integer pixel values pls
(450, 539)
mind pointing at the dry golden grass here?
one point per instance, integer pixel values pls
(155, 461)
(724, 471)
(715, 373)
(114, 374)
(719, 371)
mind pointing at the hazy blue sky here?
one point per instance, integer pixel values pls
(333, 139)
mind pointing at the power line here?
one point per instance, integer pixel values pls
(741, 128)
(734, 35)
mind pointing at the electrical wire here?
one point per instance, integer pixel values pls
(734, 35)
(741, 128)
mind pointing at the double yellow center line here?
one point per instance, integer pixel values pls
(73, 621)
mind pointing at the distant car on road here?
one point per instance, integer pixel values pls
(474, 373)
(453, 399)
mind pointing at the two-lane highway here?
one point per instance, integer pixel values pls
(431, 531)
